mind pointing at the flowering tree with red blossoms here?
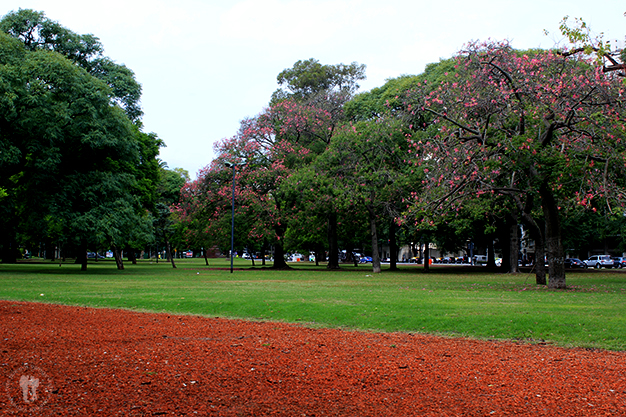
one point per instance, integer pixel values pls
(272, 146)
(535, 126)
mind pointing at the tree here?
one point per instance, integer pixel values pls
(75, 165)
(521, 124)
(37, 32)
(201, 208)
(367, 159)
(309, 81)
(164, 227)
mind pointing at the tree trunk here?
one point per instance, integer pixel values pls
(279, 256)
(50, 251)
(82, 257)
(9, 252)
(540, 265)
(132, 256)
(374, 233)
(554, 244)
(117, 254)
(333, 247)
(263, 252)
(536, 234)
(168, 252)
(505, 239)
(393, 247)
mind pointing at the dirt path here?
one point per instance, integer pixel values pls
(57, 360)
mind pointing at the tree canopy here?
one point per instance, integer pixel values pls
(75, 165)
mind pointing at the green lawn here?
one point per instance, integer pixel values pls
(447, 301)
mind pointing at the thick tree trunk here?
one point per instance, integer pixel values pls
(117, 254)
(82, 257)
(279, 256)
(375, 254)
(540, 265)
(132, 256)
(393, 247)
(9, 252)
(505, 239)
(427, 256)
(50, 250)
(554, 244)
(333, 247)
(318, 256)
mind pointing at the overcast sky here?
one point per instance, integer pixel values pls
(206, 65)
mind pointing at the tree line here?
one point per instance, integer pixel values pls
(476, 145)
(473, 147)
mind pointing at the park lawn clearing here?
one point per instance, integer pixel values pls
(447, 301)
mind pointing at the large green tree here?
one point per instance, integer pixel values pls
(75, 165)
(367, 161)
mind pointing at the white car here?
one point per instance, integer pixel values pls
(599, 261)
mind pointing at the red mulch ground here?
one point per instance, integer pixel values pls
(112, 362)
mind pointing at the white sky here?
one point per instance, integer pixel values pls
(206, 65)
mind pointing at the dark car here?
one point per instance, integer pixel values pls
(619, 262)
(574, 263)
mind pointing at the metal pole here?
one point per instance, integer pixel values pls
(232, 228)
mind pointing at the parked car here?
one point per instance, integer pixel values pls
(188, 254)
(480, 259)
(574, 263)
(619, 262)
(599, 261)
(365, 259)
(92, 255)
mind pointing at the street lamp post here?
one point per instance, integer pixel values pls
(232, 227)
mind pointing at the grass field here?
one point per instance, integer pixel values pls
(448, 301)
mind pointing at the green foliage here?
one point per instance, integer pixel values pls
(169, 184)
(309, 78)
(75, 165)
(37, 32)
(389, 99)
